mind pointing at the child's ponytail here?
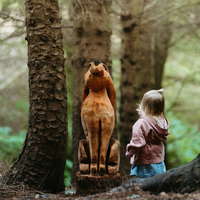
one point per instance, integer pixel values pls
(161, 91)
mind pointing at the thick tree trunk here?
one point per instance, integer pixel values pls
(141, 67)
(128, 86)
(135, 75)
(183, 179)
(42, 160)
(91, 42)
(144, 63)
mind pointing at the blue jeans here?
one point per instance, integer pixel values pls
(145, 171)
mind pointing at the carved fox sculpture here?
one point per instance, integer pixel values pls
(98, 154)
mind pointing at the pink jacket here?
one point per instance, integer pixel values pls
(146, 145)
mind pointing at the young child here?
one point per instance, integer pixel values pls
(146, 149)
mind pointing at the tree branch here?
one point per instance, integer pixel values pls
(11, 17)
(12, 78)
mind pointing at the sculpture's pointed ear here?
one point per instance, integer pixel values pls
(85, 92)
(111, 93)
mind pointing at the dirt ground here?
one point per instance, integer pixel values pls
(22, 192)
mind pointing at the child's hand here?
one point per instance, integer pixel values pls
(139, 112)
(129, 153)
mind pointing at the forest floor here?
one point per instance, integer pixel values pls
(22, 192)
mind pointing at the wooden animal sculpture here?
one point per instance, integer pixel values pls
(98, 154)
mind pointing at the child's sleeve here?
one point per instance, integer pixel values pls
(138, 139)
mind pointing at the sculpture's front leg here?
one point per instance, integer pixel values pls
(107, 126)
(91, 129)
(93, 138)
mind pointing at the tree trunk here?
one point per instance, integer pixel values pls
(128, 73)
(141, 67)
(183, 179)
(161, 46)
(135, 75)
(91, 42)
(42, 159)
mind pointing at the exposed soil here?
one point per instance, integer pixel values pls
(22, 192)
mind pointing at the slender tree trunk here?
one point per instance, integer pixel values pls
(161, 46)
(91, 42)
(42, 159)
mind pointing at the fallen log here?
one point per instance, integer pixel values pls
(183, 179)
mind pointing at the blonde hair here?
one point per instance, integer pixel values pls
(153, 103)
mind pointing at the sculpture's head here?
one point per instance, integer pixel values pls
(97, 77)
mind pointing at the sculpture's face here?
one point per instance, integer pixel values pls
(97, 77)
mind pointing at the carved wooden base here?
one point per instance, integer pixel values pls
(87, 184)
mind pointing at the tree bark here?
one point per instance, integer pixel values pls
(161, 46)
(90, 185)
(135, 74)
(142, 66)
(91, 42)
(127, 89)
(42, 159)
(183, 179)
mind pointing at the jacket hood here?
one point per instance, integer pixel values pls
(159, 133)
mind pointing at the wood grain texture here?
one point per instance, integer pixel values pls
(86, 185)
(98, 121)
(91, 39)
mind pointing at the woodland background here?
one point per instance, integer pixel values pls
(178, 19)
